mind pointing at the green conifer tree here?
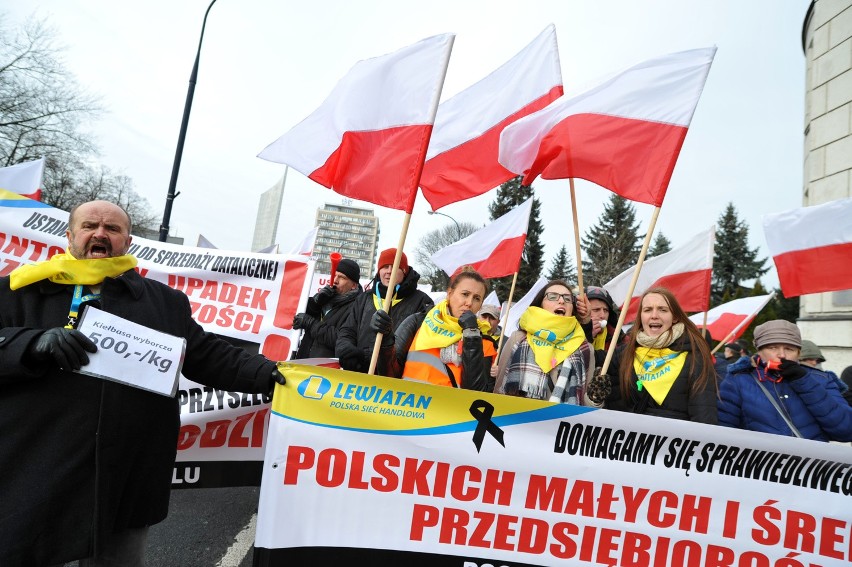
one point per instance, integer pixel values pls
(661, 245)
(509, 195)
(733, 261)
(612, 245)
(563, 268)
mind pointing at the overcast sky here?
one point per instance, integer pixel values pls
(266, 64)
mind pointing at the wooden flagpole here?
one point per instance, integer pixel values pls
(576, 237)
(505, 319)
(626, 305)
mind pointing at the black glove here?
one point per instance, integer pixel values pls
(791, 370)
(468, 320)
(381, 322)
(66, 347)
(304, 321)
(599, 388)
(275, 378)
(324, 295)
(344, 350)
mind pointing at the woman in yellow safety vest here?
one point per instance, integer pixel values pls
(446, 345)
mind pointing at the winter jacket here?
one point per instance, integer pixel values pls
(82, 456)
(320, 340)
(475, 366)
(813, 403)
(355, 339)
(680, 403)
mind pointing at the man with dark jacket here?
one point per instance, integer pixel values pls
(355, 339)
(326, 312)
(87, 463)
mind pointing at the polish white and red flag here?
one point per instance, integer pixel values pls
(728, 321)
(462, 159)
(624, 134)
(368, 139)
(812, 247)
(306, 246)
(685, 271)
(23, 178)
(494, 250)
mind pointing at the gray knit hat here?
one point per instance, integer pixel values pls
(777, 332)
(811, 352)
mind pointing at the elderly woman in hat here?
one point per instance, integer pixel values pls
(771, 392)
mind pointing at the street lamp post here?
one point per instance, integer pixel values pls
(458, 228)
(170, 197)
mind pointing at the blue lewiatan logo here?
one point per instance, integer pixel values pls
(314, 387)
(545, 335)
(655, 363)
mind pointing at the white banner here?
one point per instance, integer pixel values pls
(391, 472)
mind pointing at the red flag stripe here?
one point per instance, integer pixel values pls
(692, 290)
(503, 261)
(611, 151)
(471, 168)
(815, 270)
(379, 166)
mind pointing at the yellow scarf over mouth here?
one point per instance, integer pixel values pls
(552, 338)
(440, 329)
(657, 369)
(66, 269)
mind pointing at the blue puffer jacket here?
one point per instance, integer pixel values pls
(813, 403)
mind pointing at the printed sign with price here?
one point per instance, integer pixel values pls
(131, 353)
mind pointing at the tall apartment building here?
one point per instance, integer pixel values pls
(268, 212)
(351, 231)
(826, 318)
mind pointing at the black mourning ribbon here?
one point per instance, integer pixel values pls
(482, 412)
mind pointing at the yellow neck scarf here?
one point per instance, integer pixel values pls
(599, 343)
(552, 338)
(440, 329)
(657, 369)
(66, 269)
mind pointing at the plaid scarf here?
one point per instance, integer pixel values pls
(566, 382)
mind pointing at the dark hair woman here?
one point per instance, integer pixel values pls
(665, 368)
(548, 358)
(447, 345)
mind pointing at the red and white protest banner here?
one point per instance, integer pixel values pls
(248, 298)
(465, 478)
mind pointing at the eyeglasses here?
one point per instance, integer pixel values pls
(553, 296)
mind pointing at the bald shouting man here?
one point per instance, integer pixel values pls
(87, 463)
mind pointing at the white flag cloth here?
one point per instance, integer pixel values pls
(462, 159)
(368, 139)
(685, 271)
(204, 243)
(517, 309)
(306, 246)
(494, 250)
(812, 247)
(23, 178)
(732, 317)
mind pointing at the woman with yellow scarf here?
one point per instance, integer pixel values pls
(665, 368)
(447, 345)
(548, 358)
